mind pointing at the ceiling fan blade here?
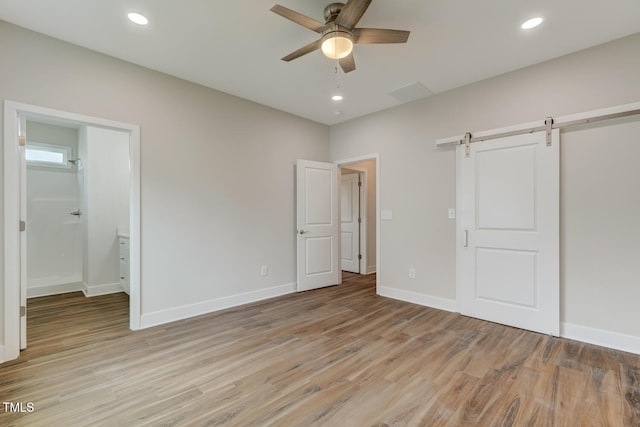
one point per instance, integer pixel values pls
(351, 13)
(379, 36)
(303, 50)
(299, 18)
(348, 63)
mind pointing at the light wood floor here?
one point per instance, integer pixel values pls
(339, 356)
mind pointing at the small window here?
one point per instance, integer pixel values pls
(56, 156)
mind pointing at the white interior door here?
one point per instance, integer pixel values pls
(318, 225)
(350, 222)
(508, 232)
(22, 146)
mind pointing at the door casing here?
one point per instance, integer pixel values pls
(12, 196)
(363, 265)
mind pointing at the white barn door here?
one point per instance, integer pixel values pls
(508, 232)
(318, 225)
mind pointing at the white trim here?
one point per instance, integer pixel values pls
(191, 310)
(615, 340)
(439, 303)
(558, 122)
(618, 109)
(11, 234)
(12, 214)
(62, 288)
(364, 158)
(107, 288)
(371, 269)
(2, 355)
(453, 141)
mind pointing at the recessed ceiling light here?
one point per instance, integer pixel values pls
(137, 18)
(531, 23)
(337, 97)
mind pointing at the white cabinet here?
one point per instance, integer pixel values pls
(124, 262)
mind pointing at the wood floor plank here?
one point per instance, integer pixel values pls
(338, 356)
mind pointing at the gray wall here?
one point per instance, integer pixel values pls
(418, 182)
(217, 172)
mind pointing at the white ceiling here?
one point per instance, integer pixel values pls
(236, 46)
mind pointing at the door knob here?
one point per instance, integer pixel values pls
(301, 231)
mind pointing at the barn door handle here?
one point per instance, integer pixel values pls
(466, 238)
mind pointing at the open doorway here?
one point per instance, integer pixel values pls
(77, 208)
(360, 238)
(16, 141)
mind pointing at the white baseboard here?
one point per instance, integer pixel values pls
(371, 269)
(615, 340)
(108, 288)
(63, 288)
(445, 304)
(3, 357)
(53, 280)
(165, 316)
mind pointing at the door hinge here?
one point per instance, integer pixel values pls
(22, 140)
(359, 220)
(23, 311)
(359, 256)
(359, 183)
(23, 226)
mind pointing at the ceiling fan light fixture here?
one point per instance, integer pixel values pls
(337, 44)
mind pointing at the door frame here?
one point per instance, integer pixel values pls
(12, 258)
(375, 157)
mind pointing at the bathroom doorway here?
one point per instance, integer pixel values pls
(77, 222)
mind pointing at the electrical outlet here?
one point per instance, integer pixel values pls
(412, 273)
(264, 270)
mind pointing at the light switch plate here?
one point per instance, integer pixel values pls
(386, 214)
(452, 213)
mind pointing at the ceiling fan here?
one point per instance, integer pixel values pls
(338, 33)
